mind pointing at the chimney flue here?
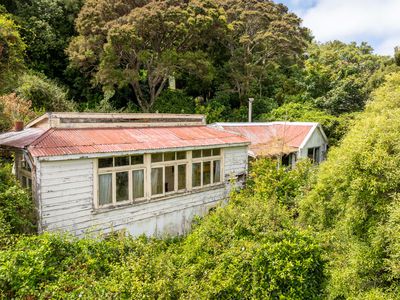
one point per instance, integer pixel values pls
(19, 125)
(250, 109)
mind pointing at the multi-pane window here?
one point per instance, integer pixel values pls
(126, 179)
(120, 179)
(168, 173)
(206, 167)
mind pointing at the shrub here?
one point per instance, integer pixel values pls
(16, 206)
(354, 203)
(44, 93)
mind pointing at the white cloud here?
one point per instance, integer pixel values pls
(374, 21)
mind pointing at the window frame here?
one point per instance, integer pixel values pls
(210, 159)
(113, 171)
(316, 153)
(147, 167)
(169, 163)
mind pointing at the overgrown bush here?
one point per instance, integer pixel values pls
(16, 207)
(250, 248)
(44, 93)
(355, 202)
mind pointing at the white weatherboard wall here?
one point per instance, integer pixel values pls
(315, 140)
(66, 201)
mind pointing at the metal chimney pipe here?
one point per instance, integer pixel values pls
(250, 109)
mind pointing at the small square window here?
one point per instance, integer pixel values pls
(137, 160)
(106, 162)
(216, 152)
(181, 155)
(156, 157)
(206, 152)
(196, 153)
(122, 161)
(169, 156)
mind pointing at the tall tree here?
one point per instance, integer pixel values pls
(340, 76)
(47, 27)
(12, 50)
(142, 46)
(264, 35)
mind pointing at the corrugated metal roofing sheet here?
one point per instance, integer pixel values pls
(58, 141)
(20, 139)
(274, 138)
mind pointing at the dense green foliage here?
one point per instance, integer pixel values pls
(17, 212)
(355, 202)
(288, 234)
(250, 248)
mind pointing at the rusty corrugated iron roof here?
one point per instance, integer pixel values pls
(272, 139)
(20, 139)
(58, 142)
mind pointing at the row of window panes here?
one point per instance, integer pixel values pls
(163, 180)
(169, 156)
(206, 172)
(120, 161)
(206, 153)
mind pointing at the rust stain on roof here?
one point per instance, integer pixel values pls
(58, 141)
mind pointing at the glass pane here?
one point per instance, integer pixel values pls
(156, 181)
(196, 153)
(121, 161)
(23, 181)
(217, 171)
(105, 189)
(169, 179)
(105, 162)
(138, 184)
(196, 174)
(181, 177)
(29, 183)
(181, 155)
(169, 156)
(316, 155)
(137, 160)
(122, 186)
(206, 152)
(216, 152)
(206, 172)
(156, 157)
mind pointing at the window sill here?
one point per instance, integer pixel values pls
(156, 199)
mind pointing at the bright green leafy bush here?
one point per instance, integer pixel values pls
(354, 203)
(250, 248)
(17, 211)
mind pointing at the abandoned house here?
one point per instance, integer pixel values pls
(143, 173)
(288, 141)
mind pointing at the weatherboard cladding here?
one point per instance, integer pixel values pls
(58, 141)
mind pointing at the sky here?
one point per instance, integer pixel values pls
(374, 21)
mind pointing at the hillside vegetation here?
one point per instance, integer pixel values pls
(315, 232)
